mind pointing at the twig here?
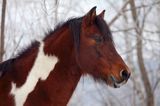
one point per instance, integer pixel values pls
(156, 84)
(126, 10)
(122, 30)
(142, 6)
(148, 31)
(119, 14)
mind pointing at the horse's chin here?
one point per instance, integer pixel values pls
(110, 80)
(113, 82)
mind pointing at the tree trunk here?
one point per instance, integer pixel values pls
(145, 79)
(2, 29)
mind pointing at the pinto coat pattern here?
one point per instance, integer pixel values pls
(47, 72)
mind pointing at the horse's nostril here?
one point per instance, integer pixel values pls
(124, 74)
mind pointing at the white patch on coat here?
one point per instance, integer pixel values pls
(41, 69)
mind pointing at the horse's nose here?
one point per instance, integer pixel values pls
(125, 74)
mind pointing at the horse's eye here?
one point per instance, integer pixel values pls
(98, 39)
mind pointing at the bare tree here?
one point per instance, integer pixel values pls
(119, 13)
(129, 56)
(144, 75)
(4, 2)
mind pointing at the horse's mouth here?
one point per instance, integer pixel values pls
(116, 83)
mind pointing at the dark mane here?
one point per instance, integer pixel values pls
(8, 64)
(75, 27)
(4, 66)
(103, 27)
(26, 50)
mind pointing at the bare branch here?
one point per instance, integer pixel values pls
(122, 30)
(144, 75)
(123, 10)
(156, 84)
(142, 6)
(119, 14)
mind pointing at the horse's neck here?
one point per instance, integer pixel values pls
(64, 78)
(60, 44)
(62, 83)
(58, 88)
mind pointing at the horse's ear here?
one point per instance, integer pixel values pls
(102, 14)
(89, 18)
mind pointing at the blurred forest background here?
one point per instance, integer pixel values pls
(135, 25)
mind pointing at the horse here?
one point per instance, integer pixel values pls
(47, 72)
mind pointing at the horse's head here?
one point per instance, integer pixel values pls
(97, 55)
